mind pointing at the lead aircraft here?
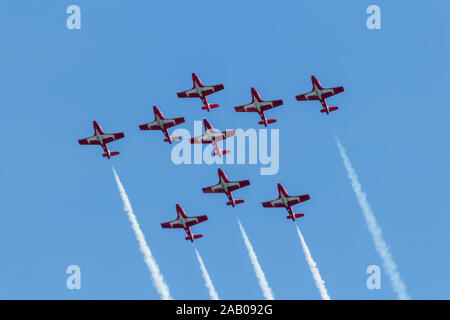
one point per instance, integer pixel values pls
(320, 93)
(101, 138)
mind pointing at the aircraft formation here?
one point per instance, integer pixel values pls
(213, 136)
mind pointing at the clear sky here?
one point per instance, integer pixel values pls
(60, 203)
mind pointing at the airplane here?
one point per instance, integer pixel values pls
(102, 139)
(258, 105)
(185, 222)
(226, 186)
(201, 91)
(213, 136)
(286, 201)
(162, 124)
(320, 93)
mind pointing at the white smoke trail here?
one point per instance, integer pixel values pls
(380, 245)
(267, 291)
(158, 279)
(320, 284)
(208, 283)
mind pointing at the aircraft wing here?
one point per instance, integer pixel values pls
(227, 134)
(200, 139)
(213, 189)
(106, 138)
(173, 122)
(168, 123)
(224, 135)
(307, 96)
(246, 108)
(297, 199)
(174, 224)
(90, 140)
(192, 93)
(194, 220)
(326, 93)
(207, 90)
(277, 203)
(150, 126)
(266, 105)
(238, 184)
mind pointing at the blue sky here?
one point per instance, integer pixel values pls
(60, 202)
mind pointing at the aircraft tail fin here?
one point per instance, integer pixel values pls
(111, 153)
(333, 108)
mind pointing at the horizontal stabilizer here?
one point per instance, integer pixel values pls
(235, 202)
(112, 153)
(176, 138)
(211, 106)
(297, 215)
(268, 121)
(333, 108)
(195, 236)
(221, 152)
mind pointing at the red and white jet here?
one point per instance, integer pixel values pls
(162, 124)
(226, 186)
(101, 138)
(213, 136)
(258, 105)
(201, 91)
(320, 93)
(185, 222)
(286, 201)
